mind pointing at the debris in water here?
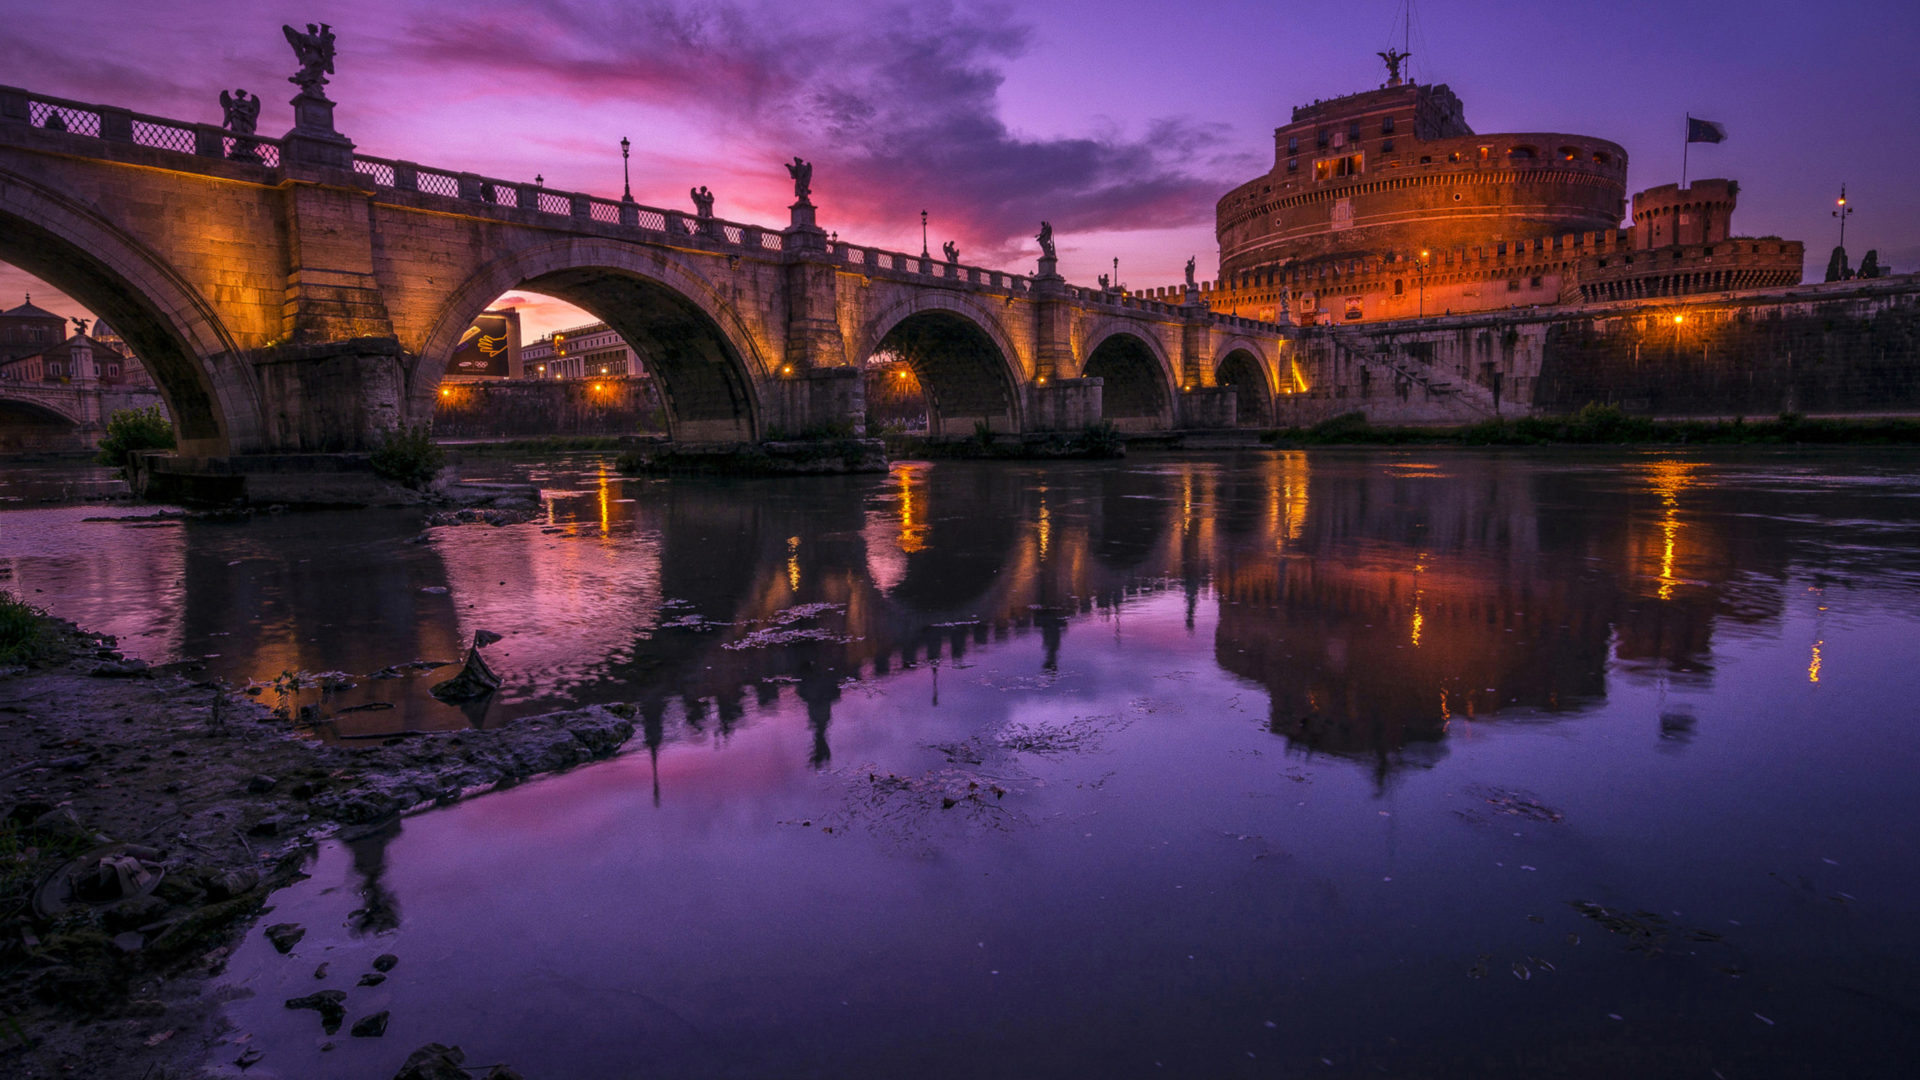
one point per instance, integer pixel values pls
(476, 679)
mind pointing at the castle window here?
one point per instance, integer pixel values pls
(1455, 156)
(1293, 144)
(1386, 146)
(1536, 282)
(1386, 126)
(1293, 164)
(1321, 138)
(1513, 285)
(1521, 153)
(1426, 159)
(1568, 153)
(1353, 130)
(1601, 159)
(1399, 286)
(1486, 152)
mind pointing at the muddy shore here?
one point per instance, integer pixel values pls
(204, 801)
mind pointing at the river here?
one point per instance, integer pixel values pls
(1414, 763)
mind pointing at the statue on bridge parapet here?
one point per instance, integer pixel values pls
(802, 172)
(702, 202)
(314, 50)
(952, 251)
(242, 119)
(1106, 284)
(1049, 269)
(1191, 284)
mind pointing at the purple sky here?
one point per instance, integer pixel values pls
(1120, 121)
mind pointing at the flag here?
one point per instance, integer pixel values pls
(1705, 131)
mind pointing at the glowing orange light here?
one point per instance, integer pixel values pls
(596, 386)
(445, 392)
(1679, 318)
(786, 369)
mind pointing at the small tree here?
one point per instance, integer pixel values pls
(408, 455)
(129, 430)
(1837, 265)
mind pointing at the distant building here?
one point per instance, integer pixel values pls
(28, 329)
(1387, 205)
(35, 347)
(580, 353)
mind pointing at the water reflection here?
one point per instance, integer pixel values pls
(1382, 602)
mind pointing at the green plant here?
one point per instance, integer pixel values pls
(1101, 439)
(408, 455)
(19, 628)
(129, 430)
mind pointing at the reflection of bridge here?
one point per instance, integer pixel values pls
(61, 416)
(1380, 610)
(307, 298)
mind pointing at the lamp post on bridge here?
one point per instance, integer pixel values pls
(626, 178)
(1420, 272)
(1841, 210)
(923, 235)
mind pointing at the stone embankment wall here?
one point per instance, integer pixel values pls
(526, 408)
(1850, 347)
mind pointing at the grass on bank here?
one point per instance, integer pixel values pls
(1606, 425)
(20, 629)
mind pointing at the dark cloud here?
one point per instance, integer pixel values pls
(899, 108)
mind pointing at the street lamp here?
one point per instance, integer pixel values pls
(1420, 272)
(1841, 210)
(923, 234)
(626, 178)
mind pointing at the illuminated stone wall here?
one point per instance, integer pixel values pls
(1848, 347)
(530, 408)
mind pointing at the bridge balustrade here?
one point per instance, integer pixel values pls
(113, 124)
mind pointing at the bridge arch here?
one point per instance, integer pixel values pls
(1250, 375)
(25, 402)
(211, 392)
(1138, 390)
(709, 364)
(966, 362)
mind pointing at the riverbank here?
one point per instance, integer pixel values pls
(145, 816)
(1605, 425)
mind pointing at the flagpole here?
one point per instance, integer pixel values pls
(1685, 147)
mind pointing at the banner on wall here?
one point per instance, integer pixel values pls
(490, 349)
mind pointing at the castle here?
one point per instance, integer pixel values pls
(1386, 205)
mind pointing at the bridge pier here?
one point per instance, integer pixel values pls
(1063, 404)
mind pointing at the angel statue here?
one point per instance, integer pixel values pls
(1105, 284)
(953, 251)
(702, 201)
(314, 50)
(242, 118)
(242, 111)
(1046, 240)
(79, 328)
(1394, 59)
(802, 173)
(1190, 281)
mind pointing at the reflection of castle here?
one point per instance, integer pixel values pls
(1380, 606)
(1387, 205)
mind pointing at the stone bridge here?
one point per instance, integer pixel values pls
(291, 295)
(62, 416)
